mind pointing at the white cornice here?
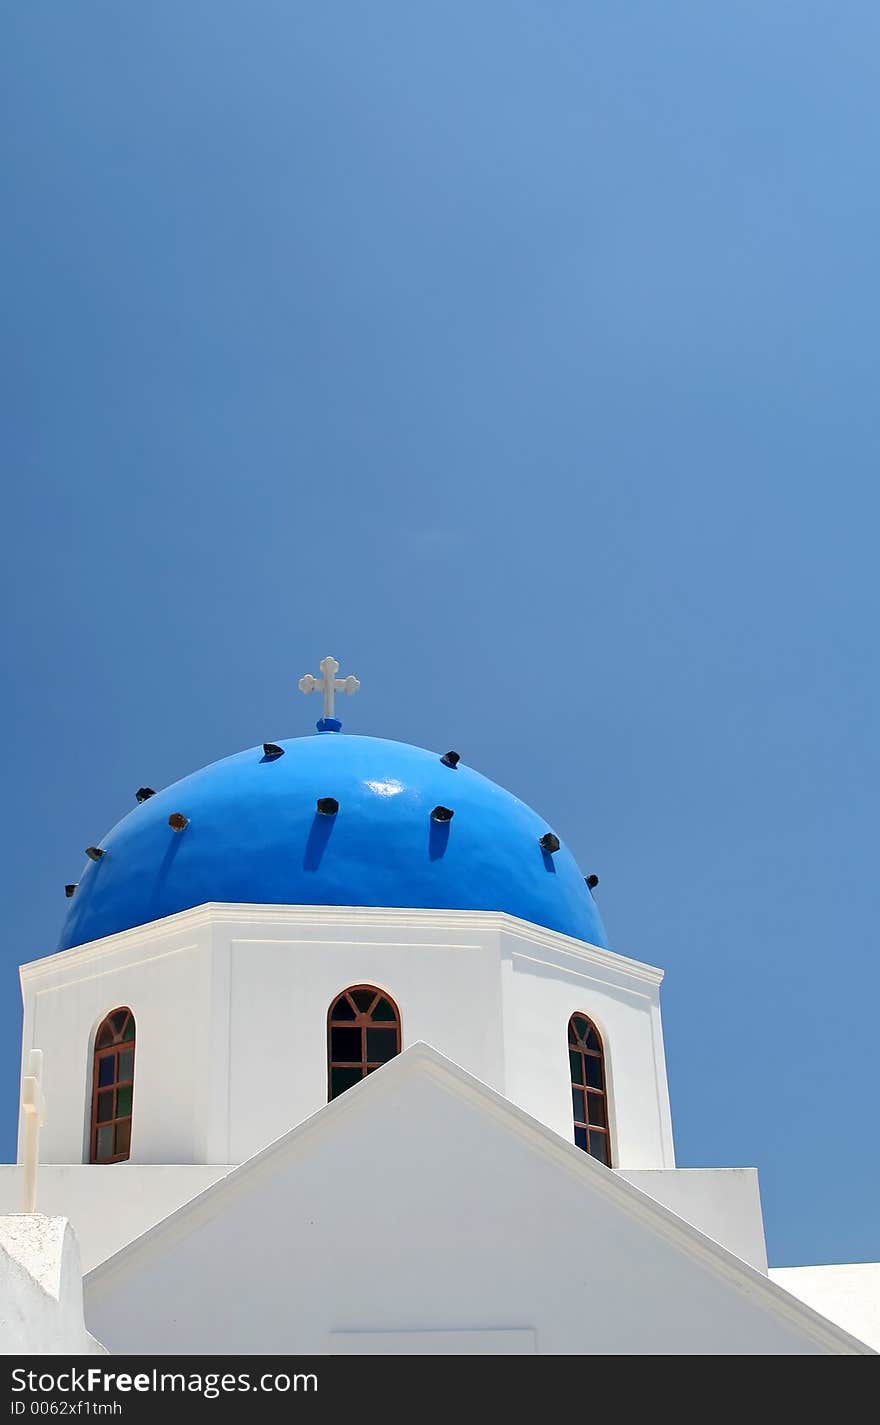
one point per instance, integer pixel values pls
(215, 914)
(558, 945)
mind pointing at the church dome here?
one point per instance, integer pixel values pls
(251, 831)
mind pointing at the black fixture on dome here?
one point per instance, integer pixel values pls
(272, 751)
(450, 759)
(177, 821)
(95, 853)
(550, 842)
(327, 806)
(442, 814)
(143, 794)
(71, 889)
(592, 882)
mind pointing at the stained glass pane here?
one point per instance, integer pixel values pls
(123, 1137)
(105, 1105)
(342, 1010)
(384, 1010)
(117, 1019)
(126, 1066)
(345, 1045)
(363, 999)
(599, 1147)
(577, 1066)
(381, 1045)
(129, 1031)
(123, 1102)
(342, 1079)
(577, 1101)
(579, 1027)
(580, 1138)
(106, 1069)
(596, 1109)
(594, 1072)
(593, 1040)
(105, 1037)
(105, 1143)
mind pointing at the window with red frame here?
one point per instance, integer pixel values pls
(588, 1090)
(113, 1088)
(363, 1032)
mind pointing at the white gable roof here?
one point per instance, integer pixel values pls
(421, 1200)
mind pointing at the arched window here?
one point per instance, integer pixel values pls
(588, 1092)
(363, 1032)
(113, 1088)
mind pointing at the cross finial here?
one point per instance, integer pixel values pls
(33, 1104)
(329, 685)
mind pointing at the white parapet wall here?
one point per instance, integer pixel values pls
(848, 1293)
(41, 1297)
(113, 1203)
(725, 1203)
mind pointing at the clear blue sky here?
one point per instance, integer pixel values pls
(525, 357)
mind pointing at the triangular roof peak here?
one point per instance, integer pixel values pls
(423, 1060)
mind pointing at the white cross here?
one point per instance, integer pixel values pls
(329, 684)
(33, 1104)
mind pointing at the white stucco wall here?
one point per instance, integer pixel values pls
(109, 1204)
(848, 1294)
(223, 994)
(164, 974)
(546, 979)
(41, 1300)
(725, 1203)
(420, 1201)
(283, 978)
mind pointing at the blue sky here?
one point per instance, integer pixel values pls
(523, 356)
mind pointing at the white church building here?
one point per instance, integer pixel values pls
(333, 1058)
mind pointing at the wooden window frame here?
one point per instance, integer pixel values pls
(362, 1020)
(117, 1044)
(579, 1045)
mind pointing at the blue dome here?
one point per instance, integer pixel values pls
(254, 836)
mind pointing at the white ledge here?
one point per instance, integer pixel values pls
(212, 913)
